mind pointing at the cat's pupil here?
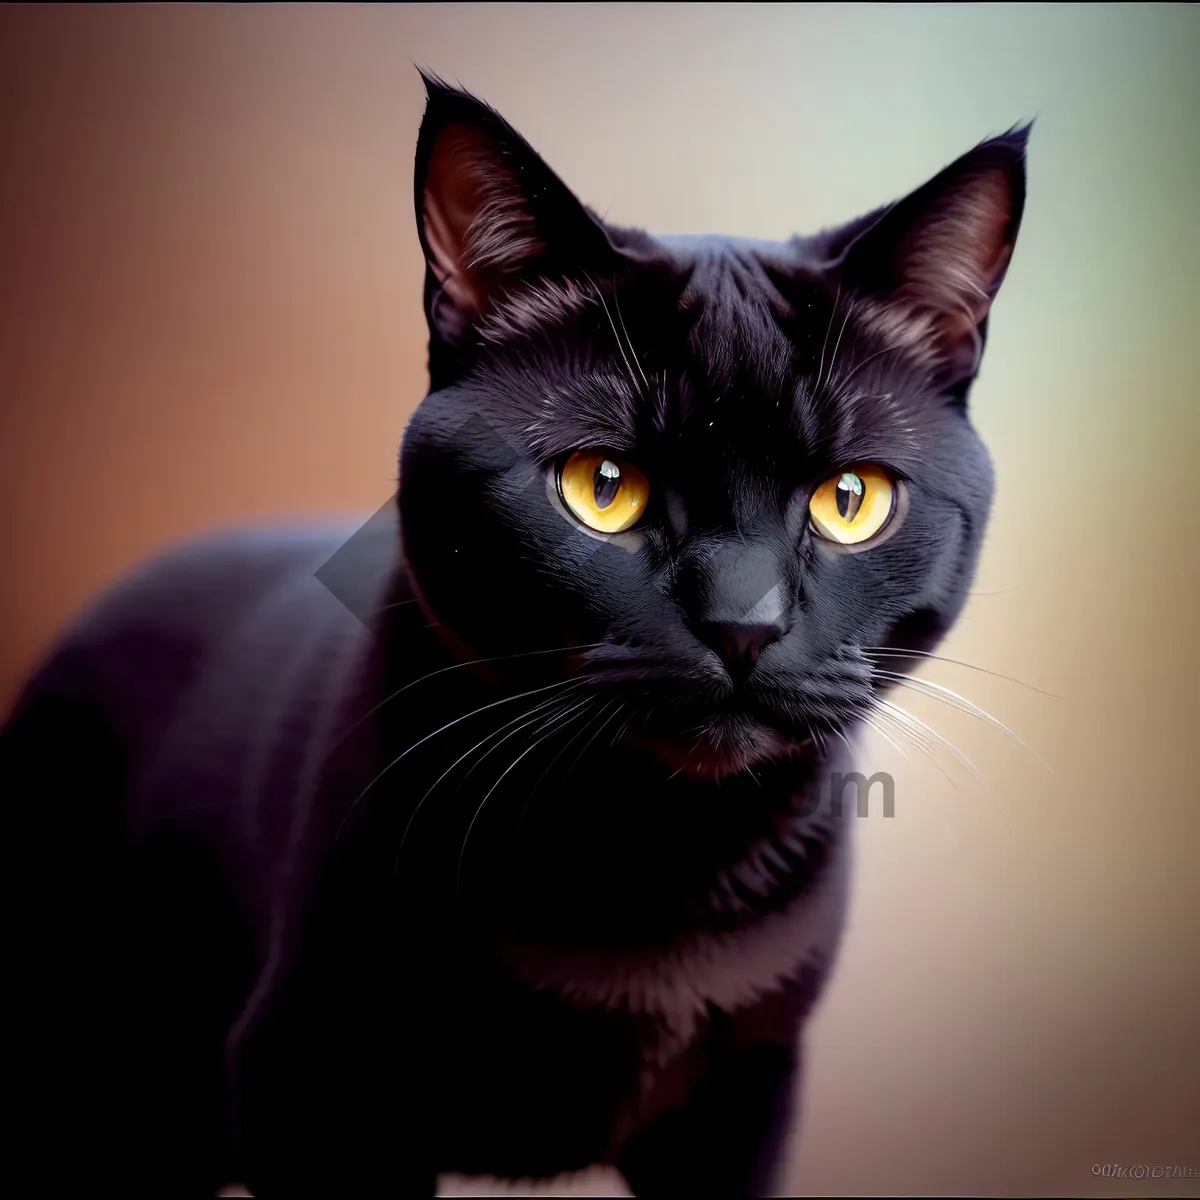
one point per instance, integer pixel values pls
(849, 495)
(607, 483)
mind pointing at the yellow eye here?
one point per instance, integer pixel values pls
(607, 494)
(853, 505)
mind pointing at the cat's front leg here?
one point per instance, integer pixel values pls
(327, 1109)
(730, 1137)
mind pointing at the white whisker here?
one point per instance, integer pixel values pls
(966, 761)
(629, 340)
(550, 766)
(474, 662)
(467, 837)
(562, 683)
(600, 729)
(906, 716)
(925, 745)
(824, 344)
(953, 700)
(838, 343)
(879, 730)
(617, 338)
(896, 652)
(895, 346)
(526, 718)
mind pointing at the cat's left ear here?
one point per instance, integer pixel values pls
(934, 261)
(491, 215)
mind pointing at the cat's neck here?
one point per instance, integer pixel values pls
(602, 844)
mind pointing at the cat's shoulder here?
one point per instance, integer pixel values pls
(171, 616)
(199, 585)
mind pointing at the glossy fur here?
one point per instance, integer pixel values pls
(286, 914)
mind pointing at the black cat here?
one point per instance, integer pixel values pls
(539, 867)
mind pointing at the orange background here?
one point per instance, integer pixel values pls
(210, 302)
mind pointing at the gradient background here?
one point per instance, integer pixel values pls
(210, 289)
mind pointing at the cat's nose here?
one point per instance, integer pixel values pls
(739, 644)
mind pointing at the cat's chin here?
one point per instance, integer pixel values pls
(722, 748)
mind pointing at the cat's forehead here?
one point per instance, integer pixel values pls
(694, 246)
(801, 357)
(737, 343)
(740, 327)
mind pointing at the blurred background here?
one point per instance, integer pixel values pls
(210, 314)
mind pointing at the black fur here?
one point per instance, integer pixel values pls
(279, 921)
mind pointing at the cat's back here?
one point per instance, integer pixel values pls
(238, 603)
(162, 773)
(196, 685)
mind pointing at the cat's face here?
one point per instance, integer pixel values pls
(735, 472)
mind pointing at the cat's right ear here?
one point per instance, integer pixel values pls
(491, 215)
(934, 261)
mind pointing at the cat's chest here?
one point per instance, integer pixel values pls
(700, 969)
(569, 1055)
(538, 1081)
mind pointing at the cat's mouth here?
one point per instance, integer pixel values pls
(703, 728)
(724, 744)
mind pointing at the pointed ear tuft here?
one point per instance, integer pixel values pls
(935, 260)
(477, 222)
(490, 213)
(433, 82)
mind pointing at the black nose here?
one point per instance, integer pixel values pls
(739, 645)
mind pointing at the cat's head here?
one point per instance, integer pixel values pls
(735, 470)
